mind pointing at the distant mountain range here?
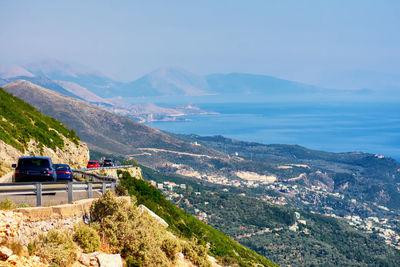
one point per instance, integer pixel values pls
(161, 82)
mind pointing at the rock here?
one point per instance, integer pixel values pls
(5, 253)
(160, 220)
(110, 260)
(84, 259)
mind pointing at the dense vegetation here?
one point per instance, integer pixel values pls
(362, 176)
(20, 122)
(327, 241)
(184, 225)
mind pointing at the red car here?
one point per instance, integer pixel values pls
(93, 164)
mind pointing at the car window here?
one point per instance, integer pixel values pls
(92, 162)
(44, 163)
(62, 168)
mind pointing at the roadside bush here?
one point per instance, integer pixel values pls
(7, 204)
(104, 207)
(137, 237)
(56, 247)
(197, 254)
(171, 246)
(86, 237)
(120, 190)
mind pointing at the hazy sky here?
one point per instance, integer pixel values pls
(125, 39)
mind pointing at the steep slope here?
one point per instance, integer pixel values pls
(25, 131)
(226, 250)
(166, 82)
(105, 131)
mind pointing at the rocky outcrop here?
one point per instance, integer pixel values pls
(75, 155)
(134, 172)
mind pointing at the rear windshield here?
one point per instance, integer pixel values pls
(92, 162)
(62, 168)
(43, 163)
(108, 160)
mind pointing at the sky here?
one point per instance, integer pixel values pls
(307, 41)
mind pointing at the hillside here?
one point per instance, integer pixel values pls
(183, 224)
(287, 235)
(25, 131)
(106, 131)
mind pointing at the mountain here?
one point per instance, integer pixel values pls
(45, 82)
(109, 132)
(93, 80)
(26, 131)
(166, 82)
(10, 71)
(241, 83)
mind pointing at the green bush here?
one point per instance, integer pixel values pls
(7, 204)
(197, 254)
(86, 237)
(31, 249)
(120, 190)
(171, 246)
(56, 247)
(135, 235)
(104, 207)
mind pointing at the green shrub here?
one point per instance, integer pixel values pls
(31, 249)
(137, 237)
(7, 204)
(197, 254)
(56, 247)
(120, 190)
(86, 237)
(24, 205)
(171, 246)
(105, 206)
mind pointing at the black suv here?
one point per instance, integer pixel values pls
(34, 169)
(108, 163)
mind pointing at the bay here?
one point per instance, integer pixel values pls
(336, 127)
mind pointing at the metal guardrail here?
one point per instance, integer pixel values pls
(39, 189)
(96, 182)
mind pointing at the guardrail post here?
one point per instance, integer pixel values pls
(69, 192)
(90, 190)
(104, 188)
(112, 186)
(38, 194)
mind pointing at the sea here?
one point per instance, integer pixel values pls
(335, 126)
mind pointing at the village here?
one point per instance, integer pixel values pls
(383, 227)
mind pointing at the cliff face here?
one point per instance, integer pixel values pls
(76, 155)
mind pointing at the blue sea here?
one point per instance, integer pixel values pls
(330, 126)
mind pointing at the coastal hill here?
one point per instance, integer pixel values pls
(25, 131)
(103, 130)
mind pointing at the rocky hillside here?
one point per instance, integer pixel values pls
(57, 236)
(25, 131)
